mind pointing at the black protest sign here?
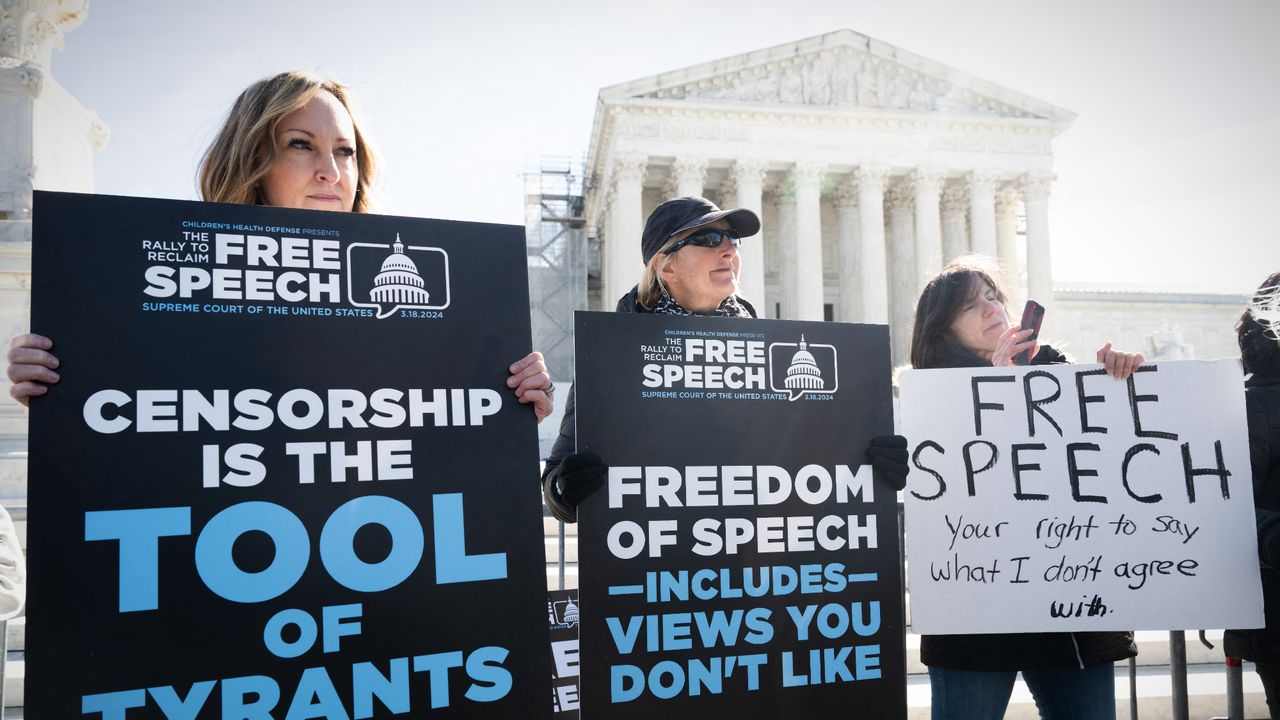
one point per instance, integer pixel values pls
(282, 475)
(740, 562)
(562, 613)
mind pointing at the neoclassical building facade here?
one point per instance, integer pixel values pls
(870, 167)
(47, 142)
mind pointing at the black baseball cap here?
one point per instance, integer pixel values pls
(684, 213)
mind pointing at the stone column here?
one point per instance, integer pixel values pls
(846, 202)
(982, 211)
(785, 202)
(1035, 194)
(955, 238)
(690, 175)
(626, 225)
(875, 278)
(927, 184)
(1007, 235)
(47, 141)
(605, 249)
(902, 266)
(807, 266)
(748, 179)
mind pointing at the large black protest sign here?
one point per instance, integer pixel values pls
(282, 475)
(740, 561)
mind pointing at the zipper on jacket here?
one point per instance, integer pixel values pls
(1076, 645)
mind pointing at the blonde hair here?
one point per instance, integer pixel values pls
(232, 169)
(650, 289)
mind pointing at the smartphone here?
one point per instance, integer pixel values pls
(1032, 317)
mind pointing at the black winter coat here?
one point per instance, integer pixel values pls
(567, 441)
(1262, 408)
(1017, 651)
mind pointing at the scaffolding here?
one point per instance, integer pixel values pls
(556, 243)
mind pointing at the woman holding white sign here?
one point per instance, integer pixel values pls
(290, 140)
(691, 265)
(963, 320)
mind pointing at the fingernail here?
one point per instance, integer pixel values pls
(56, 377)
(56, 362)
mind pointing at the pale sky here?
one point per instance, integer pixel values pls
(1168, 177)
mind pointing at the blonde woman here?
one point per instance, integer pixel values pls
(291, 140)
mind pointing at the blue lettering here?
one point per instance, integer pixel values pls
(139, 532)
(835, 665)
(439, 680)
(626, 682)
(866, 662)
(334, 628)
(666, 691)
(316, 698)
(113, 705)
(218, 569)
(490, 680)
(392, 691)
(338, 552)
(175, 708)
(453, 565)
(235, 694)
(273, 633)
(719, 626)
(675, 632)
(625, 638)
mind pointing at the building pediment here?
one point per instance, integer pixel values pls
(838, 70)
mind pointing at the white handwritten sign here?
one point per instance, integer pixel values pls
(1058, 498)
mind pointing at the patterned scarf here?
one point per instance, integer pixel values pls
(729, 308)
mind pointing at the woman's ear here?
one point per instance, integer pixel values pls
(664, 265)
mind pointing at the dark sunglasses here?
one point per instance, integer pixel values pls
(710, 238)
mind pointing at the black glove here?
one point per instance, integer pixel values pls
(581, 474)
(888, 456)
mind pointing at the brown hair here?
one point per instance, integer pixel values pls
(1257, 331)
(245, 148)
(933, 345)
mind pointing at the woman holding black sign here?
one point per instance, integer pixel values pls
(1258, 334)
(691, 266)
(963, 320)
(290, 140)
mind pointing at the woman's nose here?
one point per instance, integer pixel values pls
(327, 169)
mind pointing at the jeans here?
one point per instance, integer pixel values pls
(1070, 694)
(1270, 674)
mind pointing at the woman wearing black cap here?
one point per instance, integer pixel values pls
(691, 266)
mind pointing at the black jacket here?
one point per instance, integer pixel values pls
(567, 441)
(1017, 651)
(1262, 408)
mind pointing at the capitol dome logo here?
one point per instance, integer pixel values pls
(564, 613)
(399, 281)
(396, 276)
(804, 367)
